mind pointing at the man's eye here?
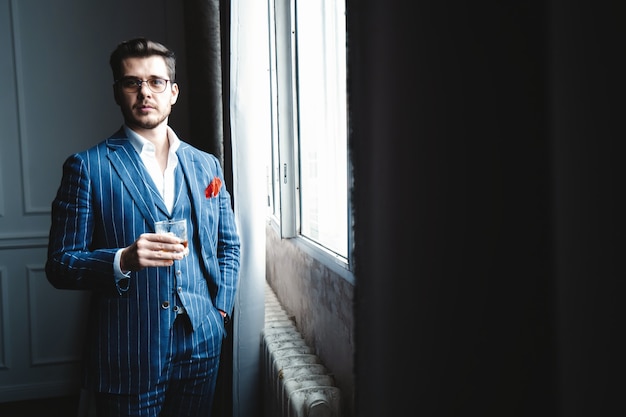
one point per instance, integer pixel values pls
(130, 83)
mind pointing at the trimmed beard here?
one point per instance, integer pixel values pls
(131, 120)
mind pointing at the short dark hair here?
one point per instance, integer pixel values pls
(141, 48)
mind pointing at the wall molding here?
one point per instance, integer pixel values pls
(22, 130)
(24, 240)
(39, 314)
(4, 324)
(9, 7)
(21, 392)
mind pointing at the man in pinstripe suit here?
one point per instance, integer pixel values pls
(158, 311)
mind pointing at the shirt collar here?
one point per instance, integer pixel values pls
(142, 144)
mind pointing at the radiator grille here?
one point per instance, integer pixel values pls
(296, 383)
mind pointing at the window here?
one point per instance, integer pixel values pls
(308, 184)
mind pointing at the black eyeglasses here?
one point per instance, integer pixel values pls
(132, 85)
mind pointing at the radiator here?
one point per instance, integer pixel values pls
(296, 383)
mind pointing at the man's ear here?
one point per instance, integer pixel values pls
(175, 92)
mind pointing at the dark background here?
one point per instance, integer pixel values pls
(488, 141)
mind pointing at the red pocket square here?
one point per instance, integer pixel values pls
(213, 188)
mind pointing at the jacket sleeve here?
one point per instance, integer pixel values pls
(228, 247)
(228, 253)
(71, 263)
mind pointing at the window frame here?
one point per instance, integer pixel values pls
(283, 176)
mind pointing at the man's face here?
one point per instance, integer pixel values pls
(145, 109)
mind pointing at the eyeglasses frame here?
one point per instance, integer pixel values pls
(138, 84)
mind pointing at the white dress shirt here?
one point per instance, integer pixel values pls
(164, 181)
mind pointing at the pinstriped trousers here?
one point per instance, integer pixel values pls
(185, 388)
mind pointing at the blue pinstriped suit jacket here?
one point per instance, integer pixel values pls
(105, 201)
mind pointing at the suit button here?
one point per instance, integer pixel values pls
(165, 305)
(179, 289)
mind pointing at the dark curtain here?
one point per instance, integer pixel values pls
(207, 40)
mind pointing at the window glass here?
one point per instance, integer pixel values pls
(322, 122)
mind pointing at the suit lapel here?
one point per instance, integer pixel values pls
(193, 177)
(127, 164)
